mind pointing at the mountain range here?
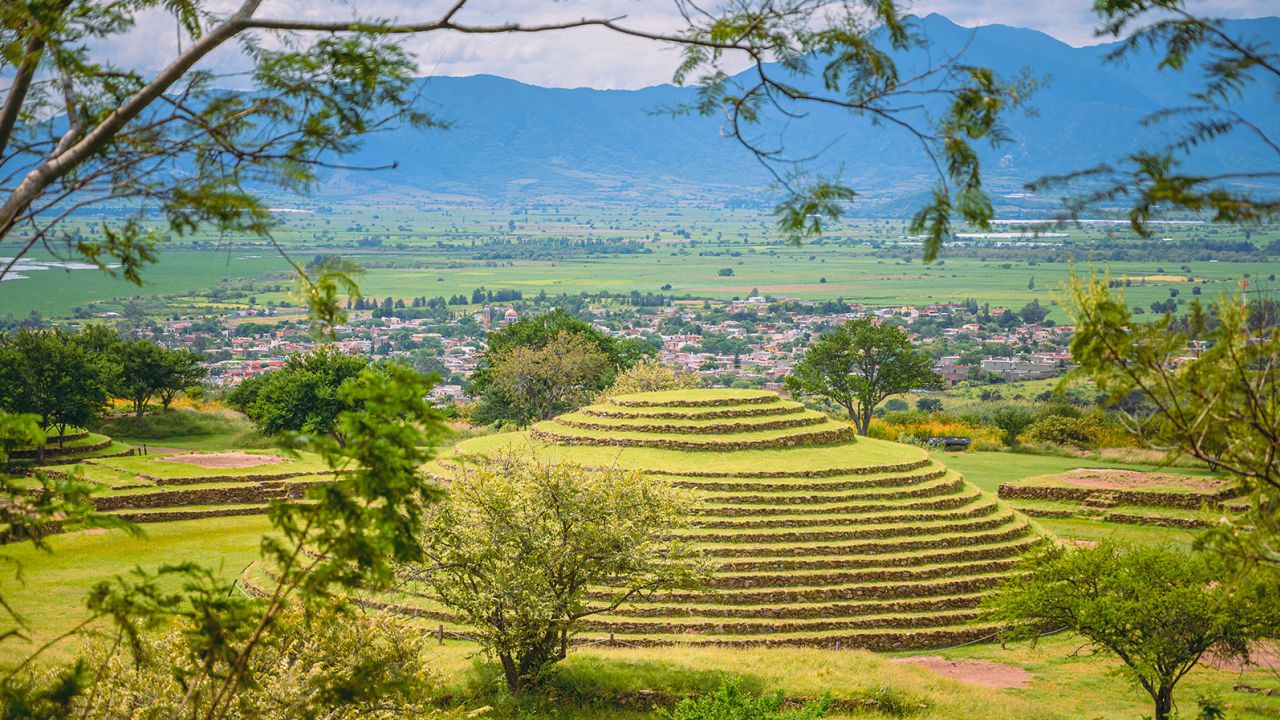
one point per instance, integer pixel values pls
(514, 142)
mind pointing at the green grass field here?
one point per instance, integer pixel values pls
(411, 261)
(601, 683)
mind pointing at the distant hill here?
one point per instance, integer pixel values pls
(514, 142)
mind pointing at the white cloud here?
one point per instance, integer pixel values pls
(587, 57)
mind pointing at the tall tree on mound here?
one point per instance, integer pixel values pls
(524, 549)
(522, 346)
(859, 365)
(540, 383)
(1158, 609)
(650, 375)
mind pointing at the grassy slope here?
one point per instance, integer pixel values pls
(988, 470)
(1065, 685)
(865, 452)
(51, 591)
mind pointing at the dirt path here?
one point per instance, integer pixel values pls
(974, 672)
(1266, 656)
(223, 459)
(1116, 479)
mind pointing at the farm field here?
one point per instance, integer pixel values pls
(421, 252)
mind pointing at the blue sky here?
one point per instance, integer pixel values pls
(598, 58)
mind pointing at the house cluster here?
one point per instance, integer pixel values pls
(755, 339)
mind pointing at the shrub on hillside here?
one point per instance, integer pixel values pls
(1084, 432)
(335, 662)
(730, 703)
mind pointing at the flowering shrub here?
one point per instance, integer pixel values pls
(914, 427)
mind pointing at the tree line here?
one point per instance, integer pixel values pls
(66, 379)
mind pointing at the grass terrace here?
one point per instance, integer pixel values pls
(821, 538)
(1125, 496)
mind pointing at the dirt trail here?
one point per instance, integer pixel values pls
(1116, 479)
(975, 672)
(223, 459)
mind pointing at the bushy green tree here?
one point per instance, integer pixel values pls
(540, 383)
(1158, 609)
(532, 334)
(1012, 419)
(183, 371)
(144, 370)
(649, 375)
(860, 364)
(520, 540)
(48, 374)
(305, 395)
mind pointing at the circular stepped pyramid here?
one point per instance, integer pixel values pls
(820, 538)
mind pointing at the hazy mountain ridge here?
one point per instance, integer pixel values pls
(512, 141)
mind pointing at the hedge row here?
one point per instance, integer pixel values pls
(1185, 501)
(825, 437)
(870, 548)
(623, 627)
(863, 533)
(703, 402)
(760, 524)
(886, 481)
(949, 586)
(656, 427)
(780, 409)
(969, 554)
(739, 582)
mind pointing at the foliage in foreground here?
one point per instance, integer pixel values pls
(336, 662)
(731, 703)
(1158, 609)
(1210, 388)
(520, 541)
(343, 535)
